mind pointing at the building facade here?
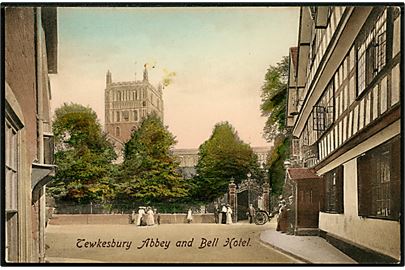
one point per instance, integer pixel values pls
(188, 159)
(344, 115)
(30, 55)
(127, 103)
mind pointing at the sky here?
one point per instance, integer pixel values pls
(219, 54)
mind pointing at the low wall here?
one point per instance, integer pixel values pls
(62, 219)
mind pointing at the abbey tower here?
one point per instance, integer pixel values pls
(126, 103)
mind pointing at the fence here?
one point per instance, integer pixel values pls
(127, 208)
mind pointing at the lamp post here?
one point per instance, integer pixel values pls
(248, 181)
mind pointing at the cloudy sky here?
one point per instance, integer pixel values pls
(220, 56)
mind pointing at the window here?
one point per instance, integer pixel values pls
(118, 95)
(118, 116)
(125, 115)
(319, 118)
(379, 184)
(323, 112)
(117, 132)
(334, 191)
(49, 146)
(144, 103)
(136, 115)
(371, 53)
(12, 176)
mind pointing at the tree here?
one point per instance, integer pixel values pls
(274, 100)
(150, 172)
(222, 157)
(83, 156)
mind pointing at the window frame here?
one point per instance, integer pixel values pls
(13, 123)
(369, 167)
(334, 199)
(368, 51)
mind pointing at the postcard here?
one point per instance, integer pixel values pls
(202, 134)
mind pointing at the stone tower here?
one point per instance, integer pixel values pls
(126, 103)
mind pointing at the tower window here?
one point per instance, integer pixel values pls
(117, 131)
(144, 103)
(125, 115)
(118, 95)
(118, 116)
(135, 115)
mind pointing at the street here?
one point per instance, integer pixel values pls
(167, 243)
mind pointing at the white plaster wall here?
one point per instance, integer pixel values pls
(380, 235)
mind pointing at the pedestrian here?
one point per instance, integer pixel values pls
(228, 214)
(290, 215)
(282, 221)
(216, 214)
(158, 217)
(132, 217)
(252, 213)
(189, 216)
(149, 217)
(155, 215)
(222, 217)
(140, 219)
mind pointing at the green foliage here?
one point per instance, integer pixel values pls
(149, 172)
(222, 157)
(274, 102)
(275, 163)
(274, 99)
(83, 156)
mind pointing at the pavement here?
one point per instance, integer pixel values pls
(309, 249)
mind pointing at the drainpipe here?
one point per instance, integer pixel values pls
(40, 130)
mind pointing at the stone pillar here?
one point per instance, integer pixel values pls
(266, 196)
(232, 199)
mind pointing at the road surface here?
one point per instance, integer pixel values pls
(167, 243)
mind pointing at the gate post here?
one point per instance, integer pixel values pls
(232, 199)
(266, 196)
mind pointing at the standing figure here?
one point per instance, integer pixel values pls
(140, 218)
(189, 216)
(290, 215)
(252, 213)
(228, 214)
(149, 217)
(132, 218)
(158, 217)
(222, 218)
(216, 214)
(282, 221)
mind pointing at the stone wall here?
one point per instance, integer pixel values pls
(59, 219)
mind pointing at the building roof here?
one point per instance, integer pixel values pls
(301, 173)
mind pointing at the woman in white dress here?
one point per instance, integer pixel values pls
(228, 215)
(149, 217)
(189, 216)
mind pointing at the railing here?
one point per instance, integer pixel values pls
(127, 208)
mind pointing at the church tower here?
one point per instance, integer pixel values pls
(127, 103)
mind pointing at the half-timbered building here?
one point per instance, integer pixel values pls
(344, 114)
